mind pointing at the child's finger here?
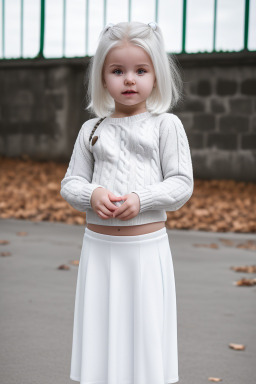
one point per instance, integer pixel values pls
(111, 206)
(124, 197)
(120, 210)
(102, 215)
(113, 197)
(105, 210)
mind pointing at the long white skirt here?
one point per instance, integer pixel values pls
(125, 320)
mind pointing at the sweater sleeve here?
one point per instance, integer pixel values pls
(76, 186)
(176, 164)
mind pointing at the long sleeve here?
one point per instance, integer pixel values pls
(76, 187)
(175, 158)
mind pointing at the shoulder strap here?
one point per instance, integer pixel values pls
(95, 127)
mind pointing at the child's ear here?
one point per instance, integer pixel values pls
(154, 83)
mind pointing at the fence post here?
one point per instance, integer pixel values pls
(246, 24)
(104, 13)
(21, 27)
(129, 10)
(42, 25)
(87, 28)
(214, 25)
(64, 29)
(3, 29)
(156, 11)
(184, 24)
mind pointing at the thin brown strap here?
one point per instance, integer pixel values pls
(95, 127)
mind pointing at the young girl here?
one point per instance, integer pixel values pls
(125, 173)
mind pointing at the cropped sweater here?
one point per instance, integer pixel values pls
(147, 154)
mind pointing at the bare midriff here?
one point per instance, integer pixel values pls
(130, 230)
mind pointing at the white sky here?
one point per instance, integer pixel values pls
(229, 36)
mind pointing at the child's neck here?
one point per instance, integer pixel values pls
(128, 113)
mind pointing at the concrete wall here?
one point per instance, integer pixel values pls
(42, 107)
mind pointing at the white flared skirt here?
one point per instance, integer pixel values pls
(125, 319)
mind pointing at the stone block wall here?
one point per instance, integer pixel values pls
(42, 107)
(219, 114)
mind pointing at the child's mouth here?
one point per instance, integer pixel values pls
(129, 93)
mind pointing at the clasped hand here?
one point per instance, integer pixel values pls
(101, 203)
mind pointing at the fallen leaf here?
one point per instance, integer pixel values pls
(215, 379)
(3, 242)
(237, 347)
(245, 268)
(246, 282)
(227, 242)
(53, 186)
(249, 244)
(5, 253)
(64, 266)
(21, 233)
(212, 245)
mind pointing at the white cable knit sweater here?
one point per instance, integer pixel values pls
(147, 154)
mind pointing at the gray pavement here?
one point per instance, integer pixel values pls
(37, 303)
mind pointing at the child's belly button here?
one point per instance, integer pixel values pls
(130, 230)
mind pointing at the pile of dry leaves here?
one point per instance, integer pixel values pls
(30, 190)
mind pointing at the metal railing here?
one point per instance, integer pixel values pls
(129, 3)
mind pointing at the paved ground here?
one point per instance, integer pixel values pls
(37, 303)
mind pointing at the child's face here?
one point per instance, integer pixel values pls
(129, 67)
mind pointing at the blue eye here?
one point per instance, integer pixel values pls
(141, 69)
(116, 70)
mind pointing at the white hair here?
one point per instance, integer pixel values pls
(168, 88)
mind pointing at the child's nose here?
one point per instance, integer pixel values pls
(129, 79)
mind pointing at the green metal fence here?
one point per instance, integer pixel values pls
(104, 5)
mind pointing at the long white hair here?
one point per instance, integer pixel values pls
(168, 88)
